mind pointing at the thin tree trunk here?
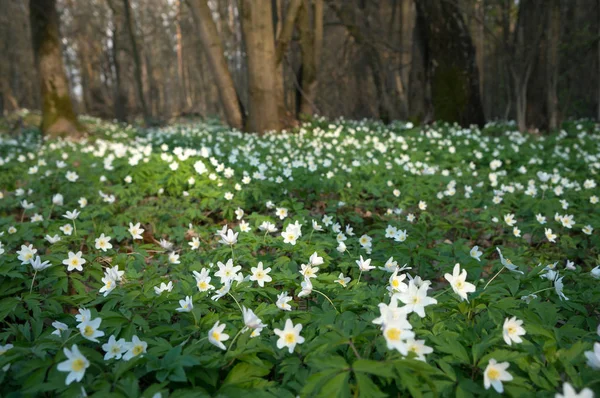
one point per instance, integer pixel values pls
(308, 83)
(553, 63)
(136, 60)
(58, 117)
(257, 25)
(218, 64)
(180, 76)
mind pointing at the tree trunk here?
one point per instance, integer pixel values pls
(217, 62)
(180, 77)
(419, 89)
(58, 117)
(553, 64)
(308, 84)
(452, 63)
(283, 38)
(129, 22)
(257, 25)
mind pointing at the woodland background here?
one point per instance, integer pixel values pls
(469, 61)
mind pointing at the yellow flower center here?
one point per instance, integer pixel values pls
(88, 331)
(202, 285)
(74, 262)
(290, 338)
(260, 275)
(116, 349)
(137, 350)
(459, 284)
(493, 374)
(216, 335)
(393, 334)
(511, 330)
(395, 283)
(77, 365)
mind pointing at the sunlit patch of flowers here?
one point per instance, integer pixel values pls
(345, 257)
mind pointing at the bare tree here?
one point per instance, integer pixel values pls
(216, 59)
(58, 117)
(452, 63)
(130, 25)
(257, 24)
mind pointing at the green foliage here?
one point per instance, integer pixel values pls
(176, 182)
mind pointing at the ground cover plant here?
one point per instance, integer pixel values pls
(341, 259)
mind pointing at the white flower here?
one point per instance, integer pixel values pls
(52, 239)
(58, 200)
(306, 286)
(364, 265)
(229, 238)
(89, 329)
(495, 373)
(558, 286)
(593, 357)
(216, 335)
(400, 236)
(570, 392)
(109, 284)
(396, 282)
(458, 281)
(281, 212)
(195, 243)
(71, 215)
(260, 275)
(396, 335)
(26, 254)
(541, 219)
(103, 243)
(476, 253)
(512, 330)
(415, 298)
(289, 336)
(419, 348)
(508, 264)
(114, 348)
(83, 316)
(82, 202)
(203, 280)
(67, 229)
(282, 302)
(315, 260)
(509, 219)
(134, 348)
(75, 261)
(163, 287)
(59, 328)
(595, 272)
(422, 205)
(72, 176)
(136, 231)
(173, 258)
(550, 236)
(227, 271)
(38, 265)
(267, 227)
(587, 230)
(251, 320)
(342, 280)
(567, 221)
(185, 305)
(76, 364)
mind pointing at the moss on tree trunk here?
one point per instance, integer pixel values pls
(58, 117)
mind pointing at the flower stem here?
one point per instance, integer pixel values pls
(442, 292)
(328, 299)
(359, 275)
(494, 277)
(543, 290)
(237, 302)
(235, 338)
(33, 280)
